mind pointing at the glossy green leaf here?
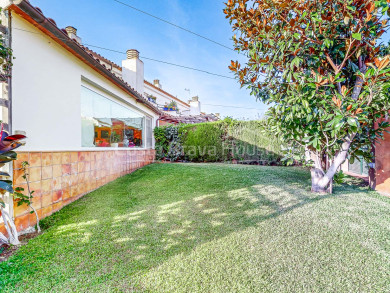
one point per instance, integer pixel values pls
(357, 36)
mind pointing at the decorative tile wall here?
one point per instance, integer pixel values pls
(59, 178)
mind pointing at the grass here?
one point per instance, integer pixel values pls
(210, 228)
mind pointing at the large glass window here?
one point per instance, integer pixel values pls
(105, 123)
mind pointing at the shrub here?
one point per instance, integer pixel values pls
(221, 141)
(161, 142)
(203, 143)
(168, 143)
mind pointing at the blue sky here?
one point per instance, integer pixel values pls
(109, 24)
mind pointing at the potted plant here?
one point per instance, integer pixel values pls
(152, 99)
(172, 106)
(115, 138)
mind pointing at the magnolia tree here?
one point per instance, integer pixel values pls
(317, 64)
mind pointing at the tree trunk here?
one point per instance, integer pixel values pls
(317, 173)
(359, 81)
(321, 181)
(316, 176)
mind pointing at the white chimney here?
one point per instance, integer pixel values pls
(157, 83)
(72, 33)
(195, 106)
(133, 71)
(4, 4)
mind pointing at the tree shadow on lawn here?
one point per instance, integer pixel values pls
(112, 236)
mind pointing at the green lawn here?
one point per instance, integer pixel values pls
(210, 228)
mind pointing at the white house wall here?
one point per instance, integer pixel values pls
(46, 86)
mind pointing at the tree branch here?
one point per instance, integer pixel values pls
(359, 81)
(334, 66)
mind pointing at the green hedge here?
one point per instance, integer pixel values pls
(221, 141)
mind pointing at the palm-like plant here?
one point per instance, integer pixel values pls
(7, 145)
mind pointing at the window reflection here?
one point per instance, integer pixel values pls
(105, 123)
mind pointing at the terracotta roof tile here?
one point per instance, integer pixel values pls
(93, 53)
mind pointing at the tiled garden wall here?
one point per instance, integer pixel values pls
(59, 178)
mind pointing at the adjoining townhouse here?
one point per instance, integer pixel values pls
(165, 101)
(172, 108)
(88, 120)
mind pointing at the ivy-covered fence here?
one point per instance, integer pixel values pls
(222, 141)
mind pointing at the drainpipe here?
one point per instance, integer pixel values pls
(10, 76)
(11, 165)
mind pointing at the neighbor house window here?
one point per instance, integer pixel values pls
(105, 123)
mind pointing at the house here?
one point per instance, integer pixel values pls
(88, 120)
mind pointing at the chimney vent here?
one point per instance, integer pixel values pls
(71, 30)
(157, 83)
(72, 33)
(195, 99)
(132, 54)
